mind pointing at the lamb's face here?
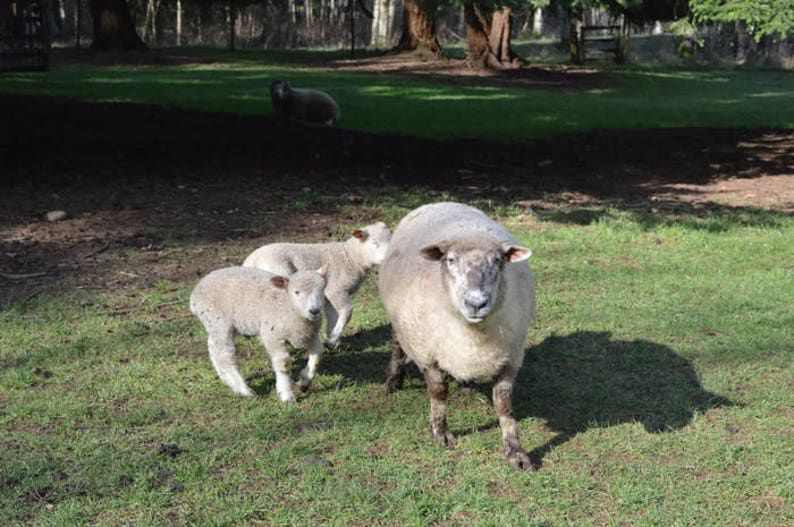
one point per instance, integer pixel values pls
(472, 272)
(305, 291)
(279, 90)
(375, 241)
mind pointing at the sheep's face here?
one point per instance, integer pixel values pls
(279, 90)
(375, 241)
(471, 271)
(305, 289)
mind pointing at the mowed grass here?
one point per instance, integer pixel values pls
(628, 98)
(657, 390)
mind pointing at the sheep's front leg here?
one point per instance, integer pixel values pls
(395, 374)
(220, 344)
(308, 372)
(281, 361)
(338, 310)
(503, 403)
(438, 386)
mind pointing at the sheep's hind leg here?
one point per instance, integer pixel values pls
(438, 386)
(503, 403)
(338, 314)
(307, 373)
(222, 355)
(395, 374)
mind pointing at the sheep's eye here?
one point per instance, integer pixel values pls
(297, 293)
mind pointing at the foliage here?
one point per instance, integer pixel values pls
(763, 17)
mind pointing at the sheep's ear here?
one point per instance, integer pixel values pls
(433, 253)
(516, 253)
(279, 282)
(361, 235)
(322, 271)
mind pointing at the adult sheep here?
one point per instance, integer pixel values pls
(460, 302)
(305, 105)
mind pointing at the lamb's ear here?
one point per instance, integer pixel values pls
(516, 253)
(322, 271)
(361, 235)
(279, 282)
(433, 253)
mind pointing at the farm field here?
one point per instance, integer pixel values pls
(658, 379)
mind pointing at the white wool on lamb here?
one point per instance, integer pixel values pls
(280, 309)
(348, 264)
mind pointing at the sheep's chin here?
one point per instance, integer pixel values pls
(473, 320)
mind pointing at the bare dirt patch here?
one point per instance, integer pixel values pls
(154, 194)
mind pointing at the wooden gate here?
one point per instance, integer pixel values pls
(24, 40)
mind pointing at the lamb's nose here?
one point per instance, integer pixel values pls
(477, 305)
(314, 311)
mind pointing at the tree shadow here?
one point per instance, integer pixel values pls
(588, 380)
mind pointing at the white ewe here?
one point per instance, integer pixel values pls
(460, 299)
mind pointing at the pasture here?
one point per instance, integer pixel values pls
(658, 379)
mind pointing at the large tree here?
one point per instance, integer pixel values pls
(113, 26)
(419, 27)
(488, 35)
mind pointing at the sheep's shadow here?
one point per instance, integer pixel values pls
(588, 380)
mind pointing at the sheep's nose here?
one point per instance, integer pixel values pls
(476, 304)
(314, 311)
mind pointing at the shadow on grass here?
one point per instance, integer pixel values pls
(588, 380)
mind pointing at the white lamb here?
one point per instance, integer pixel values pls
(460, 302)
(306, 105)
(348, 264)
(247, 301)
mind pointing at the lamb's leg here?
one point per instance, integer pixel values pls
(438, 386)
(331, 317)
(281, 361)
(342, 307)
(395, 374)
(503, 403)
(308, 372)
(221, 348)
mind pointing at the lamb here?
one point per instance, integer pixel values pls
(305, 105)
(460, 303)
(280, 309)
(348, 264)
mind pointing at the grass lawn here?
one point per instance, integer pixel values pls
(237, 82)
(656, 390)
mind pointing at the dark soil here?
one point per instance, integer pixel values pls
(155, 194)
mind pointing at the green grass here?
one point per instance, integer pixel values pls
(631, 98)
(656, 391)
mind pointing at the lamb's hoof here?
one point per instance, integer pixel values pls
(300, 390)
(445, 439)
(245, 392)
(519, 460)
(287, 397)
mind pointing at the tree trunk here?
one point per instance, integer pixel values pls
(231, 19)
(419, 28)
(384, 12)
(178, 22)
(113, 26)
(488, 42)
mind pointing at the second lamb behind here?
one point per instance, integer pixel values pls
(348, 263)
